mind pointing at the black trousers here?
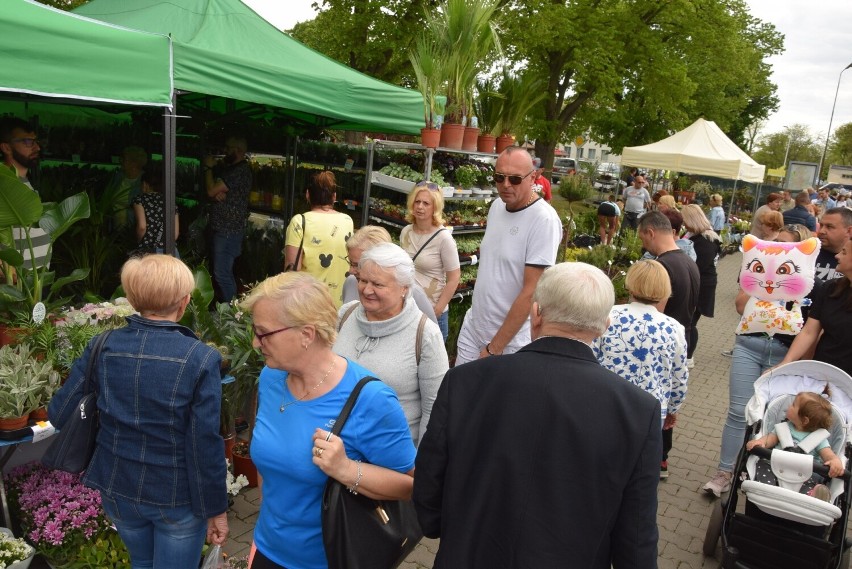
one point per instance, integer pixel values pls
(261, 561)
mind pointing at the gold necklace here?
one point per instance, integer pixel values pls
(311, 390)
(533, 197)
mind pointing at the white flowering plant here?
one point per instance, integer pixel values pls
(13, 549)
(234, 483)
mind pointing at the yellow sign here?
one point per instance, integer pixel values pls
(579, 141)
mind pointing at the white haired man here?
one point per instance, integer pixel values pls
(541, 418)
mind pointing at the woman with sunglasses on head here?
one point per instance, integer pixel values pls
(316, 240)
(301, 391)
(432, 248)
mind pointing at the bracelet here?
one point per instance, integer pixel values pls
(488, 349)
(354, 487)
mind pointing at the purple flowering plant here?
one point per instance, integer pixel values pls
(63, 519)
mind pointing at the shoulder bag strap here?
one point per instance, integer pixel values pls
(347, 314)
(419, 341)
(93, 358)
(350, 403)
(301, 243)
(425, 244)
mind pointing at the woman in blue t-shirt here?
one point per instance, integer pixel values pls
(302, 390)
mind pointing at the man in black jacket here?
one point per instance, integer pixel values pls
(543, 458)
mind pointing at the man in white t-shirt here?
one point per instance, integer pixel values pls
(20, 150)
(636, 201)
(521, 240)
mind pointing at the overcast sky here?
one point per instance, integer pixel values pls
(818, 45)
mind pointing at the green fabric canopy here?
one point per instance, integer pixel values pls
(47, 52)
(223, 48)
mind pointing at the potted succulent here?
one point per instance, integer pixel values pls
(25, 285)
(15, 553)
(22, 379)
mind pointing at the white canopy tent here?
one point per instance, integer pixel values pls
(701, 148)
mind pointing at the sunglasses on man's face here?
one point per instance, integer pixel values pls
(513, 179)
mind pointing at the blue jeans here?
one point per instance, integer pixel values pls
(226, 248)
(157, 537)
(752, 356)
(444, 324)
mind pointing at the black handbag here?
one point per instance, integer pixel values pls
(72, 448)
(359, 532)
(295, 264)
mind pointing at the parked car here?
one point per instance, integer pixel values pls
(608, 177)
(562, 167)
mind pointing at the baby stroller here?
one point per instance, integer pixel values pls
(779, 527)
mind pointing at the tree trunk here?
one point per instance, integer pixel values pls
(544, 149)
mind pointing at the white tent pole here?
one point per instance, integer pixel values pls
(731, 205)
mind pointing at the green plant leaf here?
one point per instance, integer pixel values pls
(19, 205)
(76, 275)
(12, 256)
(56, 220)
(9, 293)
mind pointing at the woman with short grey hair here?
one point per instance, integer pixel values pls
(385, 332)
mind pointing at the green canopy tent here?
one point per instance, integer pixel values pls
(229, 60)
(224, 49)
(50, 53)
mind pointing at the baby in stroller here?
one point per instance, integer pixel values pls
(805, 430)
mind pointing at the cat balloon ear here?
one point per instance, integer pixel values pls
(808, 246)
(749, 241)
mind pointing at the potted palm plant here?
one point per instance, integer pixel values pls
(428, 69)
(487, 106)
(519, 94)
(465, 33)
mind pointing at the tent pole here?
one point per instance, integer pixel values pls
(169, 154)
(731, 205)
(365, 202)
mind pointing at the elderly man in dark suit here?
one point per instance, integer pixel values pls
(543, 459)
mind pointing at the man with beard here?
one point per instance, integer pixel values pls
(228, 185)
(20, 148)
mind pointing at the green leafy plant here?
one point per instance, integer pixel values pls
(23, 379)
(466, 176)
(520, 94)
(573, 189)
(21, 207)
(428, 65)
(487, 104)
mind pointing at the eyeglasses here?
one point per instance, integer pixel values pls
(27, 142)
(513, 179)
(352, 264)
(428, 185)
(260, 337)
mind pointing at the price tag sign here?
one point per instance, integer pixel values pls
(39, 312)
(42, 430)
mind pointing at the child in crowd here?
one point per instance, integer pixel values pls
(808, 413)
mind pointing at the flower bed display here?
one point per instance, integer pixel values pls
(63, 519)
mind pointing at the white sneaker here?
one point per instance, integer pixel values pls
(720, 483)
(690, 363)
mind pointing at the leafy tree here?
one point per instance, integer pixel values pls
(630, 73)
(840, 148)
(371, 36)
(804, 147)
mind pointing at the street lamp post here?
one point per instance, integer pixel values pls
(830, 120)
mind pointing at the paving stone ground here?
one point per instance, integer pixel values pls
(683, 511)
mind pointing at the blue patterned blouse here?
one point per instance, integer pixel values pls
(648, 349)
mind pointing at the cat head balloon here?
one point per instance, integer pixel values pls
(777, 276)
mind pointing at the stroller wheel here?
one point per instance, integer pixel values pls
(714, 529)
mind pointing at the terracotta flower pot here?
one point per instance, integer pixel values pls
(485, 143)
(39, 414)
(470, 135)
(430, 137)
(504, 141)
(452, 135)
(13, 423)
(245, 466)
(230, 439)
(10, 335)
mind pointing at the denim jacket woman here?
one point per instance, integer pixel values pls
(159, 392)
(159, 460)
